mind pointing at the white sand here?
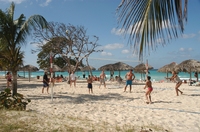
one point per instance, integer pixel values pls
(112, 105)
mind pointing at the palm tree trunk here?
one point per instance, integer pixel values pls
(14, 83)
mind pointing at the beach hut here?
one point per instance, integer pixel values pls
(168, 68)
(189, 66)
(29, 68)
(119, 66)
(116, 66)
(141, 68)
(88, 69)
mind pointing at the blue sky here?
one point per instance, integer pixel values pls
(99, 18)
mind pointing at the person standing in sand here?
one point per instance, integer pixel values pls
(9, 79)
(149, 87)
(102, 79)
(72, 79)
(178, 81)
(129, 78)
(89, 81)
(45, 82)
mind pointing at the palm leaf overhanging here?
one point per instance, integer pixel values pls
(147, 21)
(13, 34)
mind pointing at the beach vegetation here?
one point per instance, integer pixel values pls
(16, 102)
(13, 35)
(67, 41)
(147, 21)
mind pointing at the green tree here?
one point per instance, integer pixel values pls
(44, 55)
(67, 41)
(13, 34)
(147, 21)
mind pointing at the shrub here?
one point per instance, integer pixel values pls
(17, 102)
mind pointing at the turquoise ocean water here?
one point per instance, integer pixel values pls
(157, 76)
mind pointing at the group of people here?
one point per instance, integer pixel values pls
(46, 80)
(129, 80)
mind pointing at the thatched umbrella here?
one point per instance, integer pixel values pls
(70, 68)
(119, 66)
(141, 68)
(88, 69)
(168, 68)
(116, 66)
(55, 68)
(189, 66)
(29, 68)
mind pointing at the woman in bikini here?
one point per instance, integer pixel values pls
(9, 79)
(178, 81)
(149, 90)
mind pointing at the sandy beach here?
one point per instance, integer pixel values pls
(115, 107)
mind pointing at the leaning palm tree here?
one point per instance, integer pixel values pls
(13, 34)
(147, 21)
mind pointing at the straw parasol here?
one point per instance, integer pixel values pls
(69, 68)
(141, 68)
(168, 68)
(29, 68)
(116, 66)
(87, 68)
(55, 68)
(119, 66)
(189, 66)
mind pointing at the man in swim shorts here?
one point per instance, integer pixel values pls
(45, 82)
(89, 81)
(129, 78)
(102, 79)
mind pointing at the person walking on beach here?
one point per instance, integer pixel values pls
(89, 81)
(129, 78)
(102, 79)
(45, 82)
(72, 79)
(9, 79)
(178, 81)
(149, 87)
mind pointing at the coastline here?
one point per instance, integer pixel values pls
(112, 105)
(156, 76)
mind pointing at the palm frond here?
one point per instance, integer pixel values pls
(147, 21)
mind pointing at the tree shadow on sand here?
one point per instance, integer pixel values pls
(83, 98)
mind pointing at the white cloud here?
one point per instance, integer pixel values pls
(125, 51)
(181, 49)
(46, 3)
(190, 49)
(185, 36)
(106, 53)
(185, 50)
(113, 46)
(15, 1)
(118, 32)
